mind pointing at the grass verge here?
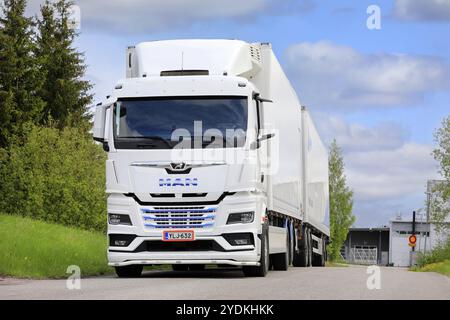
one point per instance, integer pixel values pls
(336, 263)
(442, 267)
(36, 249)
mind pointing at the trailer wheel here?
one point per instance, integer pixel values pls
(324, 251)
(291, 245)
(263, 268)
(310, 248)
(180, 267)
(133, 271)
(301, 256)
(280, 261)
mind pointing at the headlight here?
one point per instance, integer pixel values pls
(114, 218)
(241, 217)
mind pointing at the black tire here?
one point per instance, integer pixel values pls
(301, 256)
(133, 271)
(310, 248)
(180, 267)
(263, 268)
(324, 252)
(196, 267)
(280, 261)
(291, 247)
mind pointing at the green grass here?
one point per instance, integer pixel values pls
(336, 264)
(438, 260)
(439, 267)
(36, 249)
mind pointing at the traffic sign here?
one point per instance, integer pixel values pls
(412, 240)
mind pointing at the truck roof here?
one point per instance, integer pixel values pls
(216, 56)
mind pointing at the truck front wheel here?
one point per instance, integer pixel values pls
(133, 271)
(263, 268)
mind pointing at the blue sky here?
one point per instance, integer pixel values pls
(381, 93)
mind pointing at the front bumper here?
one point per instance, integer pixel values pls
(221, 253)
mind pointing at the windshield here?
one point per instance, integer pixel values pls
(180, 122)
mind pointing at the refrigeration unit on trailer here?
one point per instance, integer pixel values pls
(211, 160)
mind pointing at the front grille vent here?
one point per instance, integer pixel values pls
(178, 217)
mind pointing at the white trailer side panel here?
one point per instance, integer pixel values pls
(284, 117)
(316, 176)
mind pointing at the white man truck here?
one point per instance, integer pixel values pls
(212, 160)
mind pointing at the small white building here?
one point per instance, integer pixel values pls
(400, 230)
(427, 235)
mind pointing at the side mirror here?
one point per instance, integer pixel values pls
(256, 144)
(99, 123)
(100, 120)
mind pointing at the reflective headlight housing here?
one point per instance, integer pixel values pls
(241, 217)
(115, 218)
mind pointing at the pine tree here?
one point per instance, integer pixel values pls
(20, 78)
(341, 202)
(64, 91)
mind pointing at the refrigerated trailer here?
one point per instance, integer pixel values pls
(211, 160)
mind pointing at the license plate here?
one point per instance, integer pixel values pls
(185, 235)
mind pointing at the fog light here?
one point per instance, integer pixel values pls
(121, 240)
(241, 217)
(239, 239)
(115, 218)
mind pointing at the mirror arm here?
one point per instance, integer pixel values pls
(257, 97)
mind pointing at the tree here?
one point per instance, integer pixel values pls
(65, 92)
(442, 154)
(20, 78)
(341, 201)
(439, 206)
(56, 175)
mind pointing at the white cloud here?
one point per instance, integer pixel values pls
(389, 182)
(387, 174)
(356, 137)
(422, 10)
(335, 76)
(144, 16)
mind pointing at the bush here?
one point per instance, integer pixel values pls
(438, 254)
(56, 176)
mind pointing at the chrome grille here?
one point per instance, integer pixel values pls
(178, 217)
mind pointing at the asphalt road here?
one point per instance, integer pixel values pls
(297, 283)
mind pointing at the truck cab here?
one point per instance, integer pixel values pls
(190, 161)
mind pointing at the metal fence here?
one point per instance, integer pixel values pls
(363, 255)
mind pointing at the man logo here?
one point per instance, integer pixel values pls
(178, 182)
(178, 166)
